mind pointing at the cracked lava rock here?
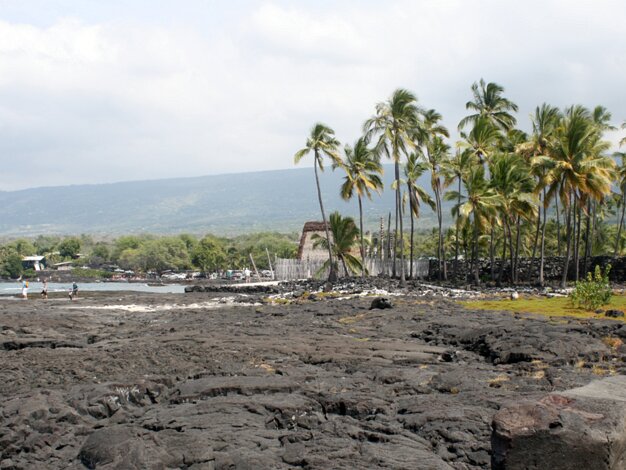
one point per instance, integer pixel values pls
(156, 381)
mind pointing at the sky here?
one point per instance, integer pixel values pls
(96, 91)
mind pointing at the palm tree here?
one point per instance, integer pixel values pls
(344, 238)
(395, 123)
(601, 118)
(481, 203)
(581, 172)
(482, 139)
(621, 178)
(455, 169)
(322, 142)
(363, 175)
(413, 169)
(436, 154)
(490, 104)
(512, 182)
(536, 149)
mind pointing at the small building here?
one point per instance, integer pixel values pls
(306, 251)
(64, 266)
(33, 262)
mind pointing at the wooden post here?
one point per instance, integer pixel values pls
(270, 262)
(254, 266)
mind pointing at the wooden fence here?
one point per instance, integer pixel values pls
(291, 269)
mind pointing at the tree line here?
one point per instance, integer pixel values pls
(515, 194)
(145, 253)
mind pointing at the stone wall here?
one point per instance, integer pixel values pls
(527, 271)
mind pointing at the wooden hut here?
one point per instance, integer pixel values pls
(306, 251)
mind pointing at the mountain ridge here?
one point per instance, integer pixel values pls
(224, 204)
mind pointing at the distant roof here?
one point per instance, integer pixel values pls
(64, 263)
(33, 258)
(313, 227)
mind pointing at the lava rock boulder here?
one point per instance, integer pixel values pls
(381, 303)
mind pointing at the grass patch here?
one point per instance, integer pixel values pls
(496, 382)
(352, 319)
(602, 371)
(555, 307)
(612, 342)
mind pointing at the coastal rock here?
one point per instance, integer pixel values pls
(614, 313)
(581, 428)
(122, 446)
(381, 303)
(194, 381)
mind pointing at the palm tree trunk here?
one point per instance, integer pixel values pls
(577, 217)
(441, 268)
(381, 236)
(412, 233)
(517, 246)
(558, 227)
(475, 257)
(532, 258)
(511, 251)
(388, 244)
(332, 275)
(594, 227)
(592, 236)
(465, 249)
(619, 228)
(362, 240)
(456, 245)
(588, 240)
(543, 240)
(502, 266)
(398, 203)
(399, 218)
(441, 239)
(568, 218)
(491, 256)
(345, 268)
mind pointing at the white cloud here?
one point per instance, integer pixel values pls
(82, 101)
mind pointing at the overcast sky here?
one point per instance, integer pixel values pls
(101, 91)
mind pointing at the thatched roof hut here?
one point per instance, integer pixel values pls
(306, 251)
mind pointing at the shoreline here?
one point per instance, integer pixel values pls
(415, 385)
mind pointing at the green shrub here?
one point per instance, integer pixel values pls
(91, 273)
(593, 292)
(29, 274)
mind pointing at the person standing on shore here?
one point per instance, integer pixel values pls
(247, 273)
(24, 289)
(44, 290)
(74, 291)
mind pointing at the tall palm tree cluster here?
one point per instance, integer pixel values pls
(514, 194)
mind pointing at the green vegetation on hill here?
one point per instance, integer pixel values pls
(144, 253)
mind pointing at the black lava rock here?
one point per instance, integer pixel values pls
(381, 303)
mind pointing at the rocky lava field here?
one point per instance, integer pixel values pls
(194, 381)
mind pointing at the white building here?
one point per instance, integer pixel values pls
(33, 262)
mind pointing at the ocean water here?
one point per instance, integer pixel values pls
(34, 288)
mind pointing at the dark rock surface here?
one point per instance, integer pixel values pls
(197, 382)
(528, 268)
(381, 303)
(581, 428)
(614, 313)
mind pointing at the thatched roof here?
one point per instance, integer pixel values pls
(309, 227)
(313, 227)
